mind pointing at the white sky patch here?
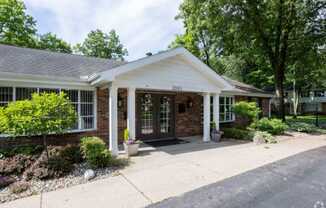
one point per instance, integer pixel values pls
(143, 25)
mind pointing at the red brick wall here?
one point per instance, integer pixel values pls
(189, 123)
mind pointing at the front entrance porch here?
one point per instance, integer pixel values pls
(154, 114)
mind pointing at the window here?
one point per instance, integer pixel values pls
(6, 95)
(24, 93)
(82, 100)
(226, 113)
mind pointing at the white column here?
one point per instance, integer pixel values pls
(216, 110)
(113, 120)
(207, 110)
(131, 121)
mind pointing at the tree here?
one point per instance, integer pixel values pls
(99, 44)
(262, 33)
(44, 114)
(51, 42)
(16, 27)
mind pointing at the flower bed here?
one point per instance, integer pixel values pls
(76, 177)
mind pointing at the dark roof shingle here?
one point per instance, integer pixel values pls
(41, 62)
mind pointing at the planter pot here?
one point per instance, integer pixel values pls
(131, 149)
(216, 136)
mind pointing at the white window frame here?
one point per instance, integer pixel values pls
(232, 113)
(64, 88)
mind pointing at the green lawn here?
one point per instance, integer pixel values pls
(308, 119)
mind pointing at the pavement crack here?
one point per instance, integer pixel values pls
(137, 189)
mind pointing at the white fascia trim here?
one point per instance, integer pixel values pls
(232, 93)
(110, 75)
(24, 80)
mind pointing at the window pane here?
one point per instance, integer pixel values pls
(86, 96)
(86, 110)
(48, 90)
(6, 95)
(222, 100)
(222, 117)
(72, 95)
(87, 122)
(24, 93)
(222, 108)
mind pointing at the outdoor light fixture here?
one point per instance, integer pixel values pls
(189, 103)
(120, 101)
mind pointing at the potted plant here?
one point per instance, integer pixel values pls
(215, 135)
(131, 145)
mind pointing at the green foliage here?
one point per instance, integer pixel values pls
(95, 152)
(267, 137)
(16, 27)
(102, 45)
(273, 126)
(59, 166)
(51, 42)
(247, 110)
(23, 150)
(240, 134)
(264, 39)
(126, 135)
(42, 115)
(71, 153)
(305, 127)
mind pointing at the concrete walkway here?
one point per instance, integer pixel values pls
(169, 171)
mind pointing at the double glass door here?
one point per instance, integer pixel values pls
(155, 116)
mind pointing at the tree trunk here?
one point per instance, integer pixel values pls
(295, 99)
(45, 146)
(279, 74)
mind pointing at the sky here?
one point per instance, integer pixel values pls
(143, 25)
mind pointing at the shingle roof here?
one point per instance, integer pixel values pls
(41, 62)
(244, 88)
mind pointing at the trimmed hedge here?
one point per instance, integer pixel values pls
(240, 134)
(95, 152)
(273, 126)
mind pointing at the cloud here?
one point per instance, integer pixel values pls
(143, 25)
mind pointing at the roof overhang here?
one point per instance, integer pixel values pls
(249, 94)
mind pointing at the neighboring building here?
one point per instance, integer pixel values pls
(167, 95)
(306, 104)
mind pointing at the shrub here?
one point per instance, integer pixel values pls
(15, 165)
(19, 187)
(72, 154)
(43, 168)
(44, 114)
(24, 150)
(304, 127)
(265, 136)
(248, 110)
(237, 133)
(95, 152)
(273, 126)
(58, 166)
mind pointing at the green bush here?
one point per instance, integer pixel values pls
(95, 152)
(237, 134)
(71, 153)
(267, 137)
(273, 126)
(247, 110)
(302, 127)
(23, 150)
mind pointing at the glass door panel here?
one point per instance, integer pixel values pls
(147, 114)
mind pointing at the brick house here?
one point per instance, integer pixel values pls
(167, 95)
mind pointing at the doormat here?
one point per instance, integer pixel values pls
(168, 142)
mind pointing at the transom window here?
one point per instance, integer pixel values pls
(226, 112)
(82, 100)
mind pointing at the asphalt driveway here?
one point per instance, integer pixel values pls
(297, 181)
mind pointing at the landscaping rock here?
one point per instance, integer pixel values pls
(6, 181)
(89, 174)
(259, 139)
(19, 187)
